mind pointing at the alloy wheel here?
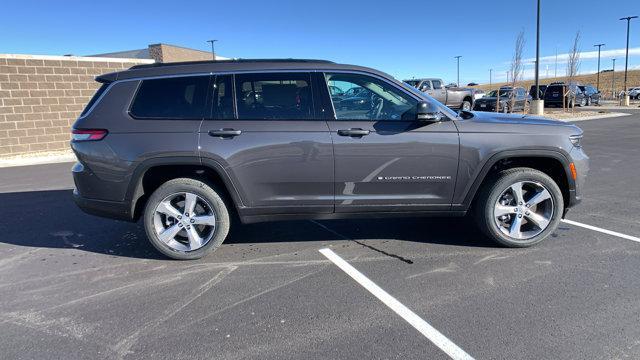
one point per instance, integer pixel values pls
(524, 210)
(184, 221)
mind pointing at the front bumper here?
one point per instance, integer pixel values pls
(581, 162)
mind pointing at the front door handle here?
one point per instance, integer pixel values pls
(225, 133)
(353, 132)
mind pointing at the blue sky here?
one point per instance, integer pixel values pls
(403, 38)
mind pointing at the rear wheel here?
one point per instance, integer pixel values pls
(520, 207)
(583, 102)
(466, 105)
(186, 219)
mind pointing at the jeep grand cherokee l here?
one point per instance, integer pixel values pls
(186, 145)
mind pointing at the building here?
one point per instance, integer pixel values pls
(42, 95)
(163, 53)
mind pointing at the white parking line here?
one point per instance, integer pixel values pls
(436, 337)
(604, 231)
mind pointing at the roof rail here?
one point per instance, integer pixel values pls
(154, 65)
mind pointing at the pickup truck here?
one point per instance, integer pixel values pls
(453, 97)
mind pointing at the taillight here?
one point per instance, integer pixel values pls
(88, 134)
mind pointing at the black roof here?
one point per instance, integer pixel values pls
(200, 67)
(154, 65)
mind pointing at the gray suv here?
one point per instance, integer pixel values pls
(187, 146)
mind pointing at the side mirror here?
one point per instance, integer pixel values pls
(427, 112)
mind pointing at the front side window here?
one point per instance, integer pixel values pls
(436, 84)
(277, 96)
(180, 98)
(426, 85)
(370, 99)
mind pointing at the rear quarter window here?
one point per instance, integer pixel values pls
(95, 98)
(179, 98)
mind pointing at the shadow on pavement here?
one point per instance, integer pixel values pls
(50, 219)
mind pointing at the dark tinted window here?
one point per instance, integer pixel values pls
(171, 98)
(223, 98)
(279, 96)
(95, 98)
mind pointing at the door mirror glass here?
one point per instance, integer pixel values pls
(427, 112)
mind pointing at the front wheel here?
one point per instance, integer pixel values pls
(519, 208)
(466, 105)
(186, 219)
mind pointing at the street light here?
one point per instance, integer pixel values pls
(458, 58)
(490, 77)
(538, 53)
(598, 77)
(626, 61)
(613, 80)
(537, 105)
(213, 52)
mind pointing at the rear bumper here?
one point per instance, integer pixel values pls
(103, 208)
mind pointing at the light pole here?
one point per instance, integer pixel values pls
(537, 105)
(626, 61)
(598, 77)
(458, 59)
(490, 77)
(613, 80)
(213, 52)
(555, 71)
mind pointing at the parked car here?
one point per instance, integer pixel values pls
(591, 93)
(573, 95)
(477, 94)
(453, 97)
(634, 93)
(186, 146)
(532, 91)
(511, 99)
(472, 84)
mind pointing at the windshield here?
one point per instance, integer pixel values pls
(503, 93)
(445, 110)
(413, 83)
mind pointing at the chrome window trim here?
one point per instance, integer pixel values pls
(399, 86)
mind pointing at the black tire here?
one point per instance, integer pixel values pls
(583, 102)
(206, 193)
(495, 187)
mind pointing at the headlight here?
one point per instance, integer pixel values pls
(576, 140)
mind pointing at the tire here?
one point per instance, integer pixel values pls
(166, 210)
(589, 101)
(583, 102)
(466, 105)
(497, 197)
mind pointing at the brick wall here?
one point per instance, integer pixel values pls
(171, 53)
(41, 96)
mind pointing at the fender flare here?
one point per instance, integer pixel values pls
(135, 190)
(556, 154)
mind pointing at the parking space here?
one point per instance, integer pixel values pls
(74, 285)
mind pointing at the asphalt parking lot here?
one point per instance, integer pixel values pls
(75, 286)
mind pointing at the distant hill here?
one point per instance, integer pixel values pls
(633, 79)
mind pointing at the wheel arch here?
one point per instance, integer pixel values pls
(551, 162)
(152, 173)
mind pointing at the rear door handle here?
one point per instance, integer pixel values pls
(353, 132)
(224, 133)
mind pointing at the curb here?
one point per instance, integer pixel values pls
(37, 160)
(596, 117)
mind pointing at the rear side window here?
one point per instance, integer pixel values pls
(436, 84)
(277, 96)
(180, 98)
(95, 98)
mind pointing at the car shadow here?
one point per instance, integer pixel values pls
(50, 219)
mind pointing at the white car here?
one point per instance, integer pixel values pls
(634, 93)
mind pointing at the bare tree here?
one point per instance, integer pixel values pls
(573, 65)
(516, 69)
